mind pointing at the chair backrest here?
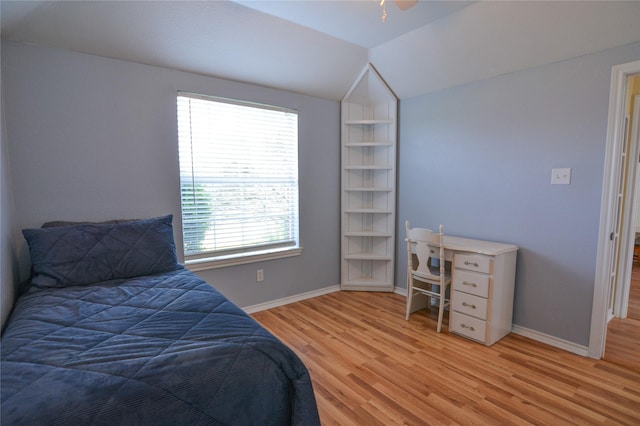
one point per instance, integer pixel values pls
(425, 245)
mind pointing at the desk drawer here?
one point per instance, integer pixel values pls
(468, 326)
(470, 304)
(473, 262)
(470, 282)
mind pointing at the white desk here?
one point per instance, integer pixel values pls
(490, 248)
(482, 287)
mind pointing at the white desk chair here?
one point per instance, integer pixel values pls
(423, 278)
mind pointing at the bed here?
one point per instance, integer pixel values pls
(113, 330)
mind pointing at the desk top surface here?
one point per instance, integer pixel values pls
(477, 246)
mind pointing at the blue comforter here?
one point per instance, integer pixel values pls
(151, 350)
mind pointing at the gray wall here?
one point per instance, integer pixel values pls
(92, 138)
(478, 159)
(8, 275)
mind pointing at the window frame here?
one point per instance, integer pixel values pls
(224, 258)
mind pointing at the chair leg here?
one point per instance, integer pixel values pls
(409, 297)
(441, 310)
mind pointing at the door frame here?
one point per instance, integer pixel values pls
(612, 170)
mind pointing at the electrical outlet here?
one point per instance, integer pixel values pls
(260, 275)
(561, 176)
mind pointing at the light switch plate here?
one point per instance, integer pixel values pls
(561, 176)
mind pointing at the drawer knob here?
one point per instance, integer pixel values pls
(466, 305)
(468, 283)
(470, 327)
(466, 262)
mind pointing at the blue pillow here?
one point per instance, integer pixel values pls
(90, 253)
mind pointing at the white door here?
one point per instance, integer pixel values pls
(616, 264)
(620, 299)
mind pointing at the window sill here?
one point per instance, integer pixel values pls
(239, 259)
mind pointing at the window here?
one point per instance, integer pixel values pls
(238, 180)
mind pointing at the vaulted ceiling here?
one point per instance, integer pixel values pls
(319, 47)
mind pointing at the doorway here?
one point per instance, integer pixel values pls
(622, 290)
(615, 248)
(622, 344)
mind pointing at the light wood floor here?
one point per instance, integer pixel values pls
(623, 335)
(371, 367)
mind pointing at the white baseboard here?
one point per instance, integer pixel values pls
(551, 340)
(290, 299)
(401, 291)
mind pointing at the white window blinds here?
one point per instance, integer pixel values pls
(238, 177)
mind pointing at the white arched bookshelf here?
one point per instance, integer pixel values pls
(369, 136)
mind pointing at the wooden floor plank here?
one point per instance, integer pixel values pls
(371, 366)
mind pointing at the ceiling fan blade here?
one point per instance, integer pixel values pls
(406, 4)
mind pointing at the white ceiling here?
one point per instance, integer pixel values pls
(319, 47)
(357, 21)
